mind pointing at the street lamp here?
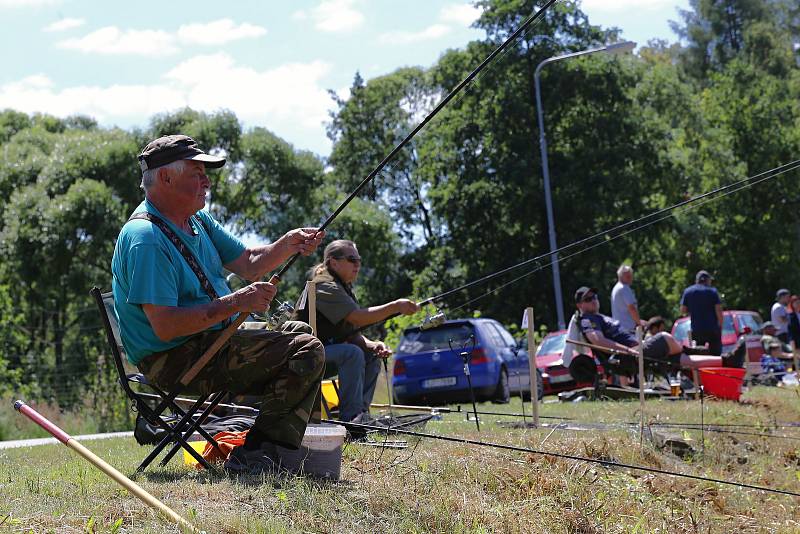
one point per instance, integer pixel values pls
(615, 48)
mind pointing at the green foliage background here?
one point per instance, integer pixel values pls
(627, 135)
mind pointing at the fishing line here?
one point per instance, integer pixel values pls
(605, 463)
(661, 215)
(709, 427)
(783, 424)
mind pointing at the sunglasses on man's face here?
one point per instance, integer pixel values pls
(589, 298)
(352, 259)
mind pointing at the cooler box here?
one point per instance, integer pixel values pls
(320, 454)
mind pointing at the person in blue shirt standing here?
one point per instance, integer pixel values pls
(704, 307)
(173, 302)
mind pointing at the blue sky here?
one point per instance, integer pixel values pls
(270, 62)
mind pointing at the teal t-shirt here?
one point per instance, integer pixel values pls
(148, 269)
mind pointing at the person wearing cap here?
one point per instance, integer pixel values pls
(350, 354)
(771, 360)
(172, 302)
(704, 307)
(769, 337)
(624, 307)
(603, 331)
(780, 315)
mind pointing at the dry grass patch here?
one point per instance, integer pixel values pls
(436, 486)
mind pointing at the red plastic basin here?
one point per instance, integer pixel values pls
(722, 382)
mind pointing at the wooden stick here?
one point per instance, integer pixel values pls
(641, 385)
(534, 376)
(221, 340)
(103, 466)
(311, 295)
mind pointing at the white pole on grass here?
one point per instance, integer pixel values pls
(641, 385)
(534, 380)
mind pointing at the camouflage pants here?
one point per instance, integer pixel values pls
(283, 368)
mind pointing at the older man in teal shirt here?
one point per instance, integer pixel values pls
(170, 311)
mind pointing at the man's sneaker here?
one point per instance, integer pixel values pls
(254, 462)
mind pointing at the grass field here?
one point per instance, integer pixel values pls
(435, 486)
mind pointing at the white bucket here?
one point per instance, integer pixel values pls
(320, 454)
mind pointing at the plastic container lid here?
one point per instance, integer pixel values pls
(324, 437)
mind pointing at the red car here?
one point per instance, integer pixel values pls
(556, 377)
(735, 323)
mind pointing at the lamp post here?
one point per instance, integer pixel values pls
(616, 48)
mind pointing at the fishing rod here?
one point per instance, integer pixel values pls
(564, 456)
(623, 229)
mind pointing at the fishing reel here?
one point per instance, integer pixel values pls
(432, 321)
(282, 314)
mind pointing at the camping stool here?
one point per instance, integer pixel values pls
(188, 422)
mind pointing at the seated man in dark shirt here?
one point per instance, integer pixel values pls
(603, 331)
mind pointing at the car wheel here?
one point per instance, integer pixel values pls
(502, 395)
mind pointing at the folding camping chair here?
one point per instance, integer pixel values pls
(188, 421)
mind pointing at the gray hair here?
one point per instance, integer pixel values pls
(624, 269)
(149, 176)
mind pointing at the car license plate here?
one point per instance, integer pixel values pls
(556, 379)
(439, 382)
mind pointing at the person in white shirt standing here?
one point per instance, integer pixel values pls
(780, 315)
(623, 302)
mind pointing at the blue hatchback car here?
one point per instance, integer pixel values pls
(427, 371)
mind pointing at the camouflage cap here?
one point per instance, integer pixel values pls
(169, 148)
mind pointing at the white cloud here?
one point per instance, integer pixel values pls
(300, 15)
(113, 41)
(64, 24)
(403, 37)
(38, 94)
(218, 32)
(291, 92)
(337, 16)
(461, 14)
(289, 99)
(28, 3)
(619, 5)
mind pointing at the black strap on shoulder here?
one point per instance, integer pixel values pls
(187, 254)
